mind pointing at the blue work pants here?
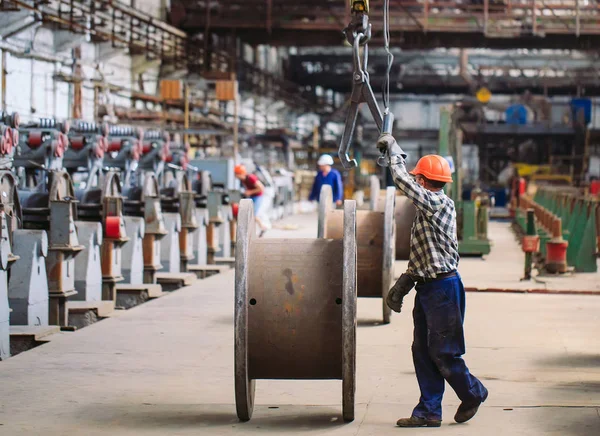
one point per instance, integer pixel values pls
(438, 345)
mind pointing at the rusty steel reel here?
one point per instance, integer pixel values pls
(375, 239)
(295, 309)
(404, 215)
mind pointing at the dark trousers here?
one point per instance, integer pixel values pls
(438, 345)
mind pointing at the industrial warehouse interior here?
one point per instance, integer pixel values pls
(318, 217)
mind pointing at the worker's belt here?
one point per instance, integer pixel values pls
(442, 276)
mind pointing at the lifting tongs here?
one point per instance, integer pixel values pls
(358, 33)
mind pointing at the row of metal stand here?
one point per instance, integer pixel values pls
(94, 218)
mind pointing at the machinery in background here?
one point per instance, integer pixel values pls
(472, 214)
(10, 217)
(28, 281)
(284, 184)
(51, 207)
(143, 201)
(526, 138)
(159, 212)
(144, 221)
(42, 146)
(101, 225)
(48, 202)
(219, 234)
(567, 222)
(201, 186)
(64, 221)
(100, 213)
(177, 200)
(179, 206)
(542, 174)
(124, 152)
(179, 197)
(88, 143)
(155, 149)
(177, 157)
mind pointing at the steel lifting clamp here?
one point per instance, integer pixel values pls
(358, 33)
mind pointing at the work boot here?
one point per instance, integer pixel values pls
(415, 421)
(468, 409)
(401, 288)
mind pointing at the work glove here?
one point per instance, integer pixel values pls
(388, 146)
(401, 288)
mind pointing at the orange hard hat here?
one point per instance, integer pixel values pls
(433, 167)
(239, 170)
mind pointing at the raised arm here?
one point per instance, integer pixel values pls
(423, 199)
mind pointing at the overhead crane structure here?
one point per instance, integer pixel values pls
(548, 72)
(215, 57)
(414, 23)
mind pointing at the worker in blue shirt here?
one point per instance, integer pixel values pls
(327, 176)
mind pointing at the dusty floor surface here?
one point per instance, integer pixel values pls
(166, 368)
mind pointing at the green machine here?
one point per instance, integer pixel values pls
(472, 215)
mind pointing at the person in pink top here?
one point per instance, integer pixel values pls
(253, 189)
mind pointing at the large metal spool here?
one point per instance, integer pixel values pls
(295, 309)
(375, 239)
(404, 215)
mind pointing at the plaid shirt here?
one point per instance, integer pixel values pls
(434, 244)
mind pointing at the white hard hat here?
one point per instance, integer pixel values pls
(325, 159)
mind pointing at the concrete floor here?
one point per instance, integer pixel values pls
(166, 368)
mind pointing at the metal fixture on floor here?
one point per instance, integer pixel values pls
(124, 152)
(100, 217)
(10, 218)
(42, 145)
(143, 201)
(28, 290)
(201, 185)
(179, 209)
(579, 216)
(100, 213)
(87, 145)
(51, 206)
